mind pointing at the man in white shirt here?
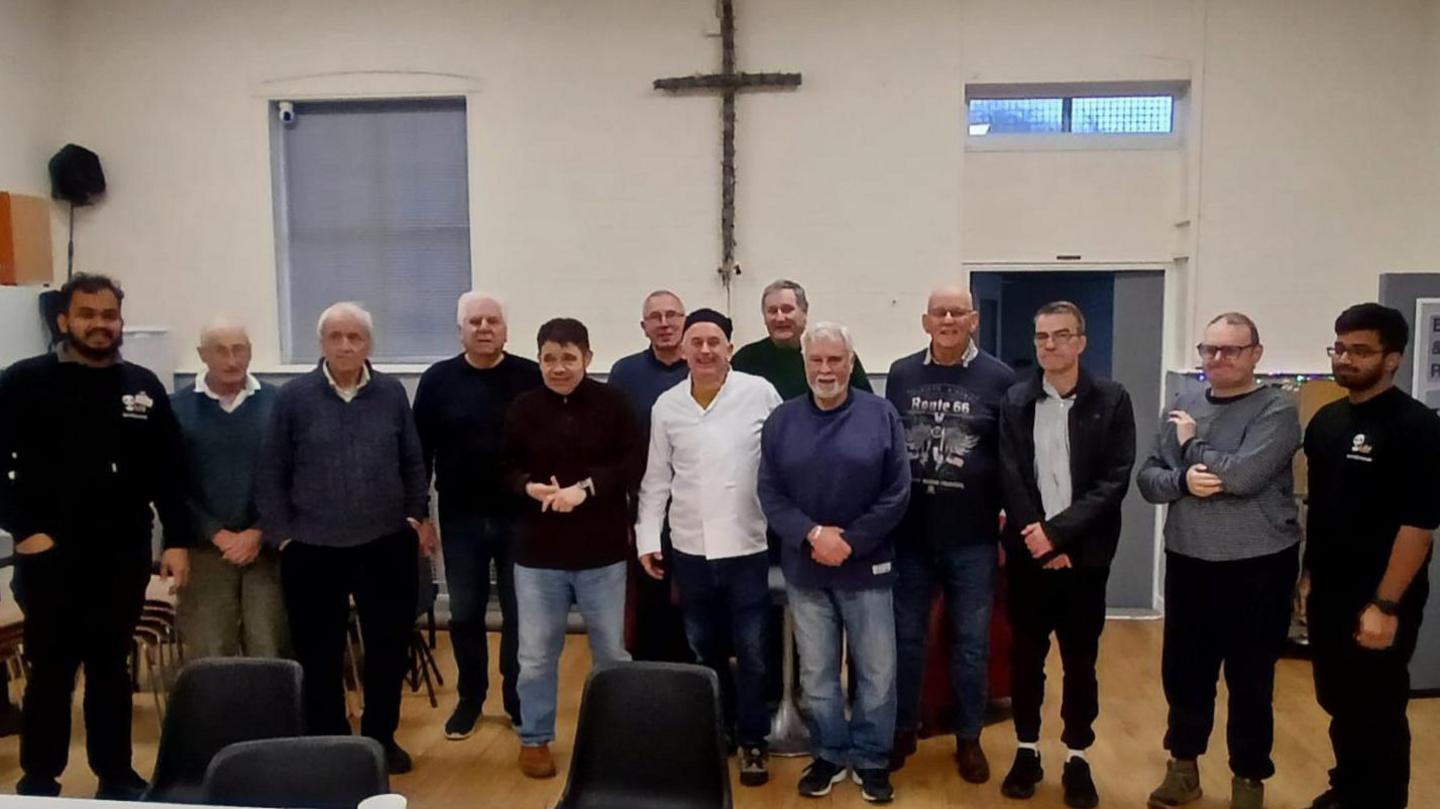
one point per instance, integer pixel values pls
(704, 460)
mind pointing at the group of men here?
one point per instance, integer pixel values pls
(687, 474)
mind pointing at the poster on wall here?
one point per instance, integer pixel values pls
(1426, 386)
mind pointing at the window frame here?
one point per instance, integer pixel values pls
(290, 359)
(1078, 141)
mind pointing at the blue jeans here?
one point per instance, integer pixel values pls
(967, 576)
(471, 542)
(543, 597)
(865, 619)
(727, 605)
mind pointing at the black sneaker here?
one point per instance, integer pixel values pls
(754, 766)
(41, 787)
(461, 724)
(1024, 774)
(874, 784)
(1079, 786)
(397, 761)
(819, 777)
(127, 787)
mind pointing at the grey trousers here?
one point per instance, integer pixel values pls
(230, 611)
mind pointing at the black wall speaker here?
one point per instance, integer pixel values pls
(76, 176)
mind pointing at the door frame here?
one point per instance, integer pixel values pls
(1175, 322)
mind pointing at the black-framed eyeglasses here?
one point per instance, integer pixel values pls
(1353, 352)
(1061, 336)
(1210, 352)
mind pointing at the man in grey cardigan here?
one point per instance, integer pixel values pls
(1222, 463)
(343, 494)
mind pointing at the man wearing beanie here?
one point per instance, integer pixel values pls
(704, 460)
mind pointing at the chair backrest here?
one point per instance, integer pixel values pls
(649, 735)
(220, 701)
(314, 772)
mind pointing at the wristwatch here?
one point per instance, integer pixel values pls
(588, 486)
(1385, 606)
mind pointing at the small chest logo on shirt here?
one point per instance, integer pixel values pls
(1360, 449)
(137, 405)
(880, 569)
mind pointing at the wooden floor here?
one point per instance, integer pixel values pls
(480, 772)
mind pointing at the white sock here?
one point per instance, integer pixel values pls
(1029, 746)
(1080, 754)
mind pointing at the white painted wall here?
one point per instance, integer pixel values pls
(30, 104)
(1308, 165)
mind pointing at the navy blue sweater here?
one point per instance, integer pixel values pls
(339, 473)
(222, 451)
(642, 378)
(952, 427)
(845, 467)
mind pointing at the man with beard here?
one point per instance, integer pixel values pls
(659, 627)
(460, 409)
(87, 443)
(1374, 505)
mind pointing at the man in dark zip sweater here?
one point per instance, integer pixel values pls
(1067, 445)
(87, 443)
(574, 451)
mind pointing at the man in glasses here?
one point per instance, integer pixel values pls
(949, 396)
(1222, 463)
(1374, 503)
(659, 629)
(1067, 445)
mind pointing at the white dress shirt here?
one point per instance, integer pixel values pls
(704, 463)
(1052, 449)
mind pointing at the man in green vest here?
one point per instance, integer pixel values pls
(777, 357)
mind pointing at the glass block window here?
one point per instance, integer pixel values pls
(1123, 115)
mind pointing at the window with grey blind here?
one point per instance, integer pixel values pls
(372, 205)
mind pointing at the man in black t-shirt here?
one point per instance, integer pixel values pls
(1374, 461)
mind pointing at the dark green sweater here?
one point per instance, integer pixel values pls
(222, 451)
(785, 368)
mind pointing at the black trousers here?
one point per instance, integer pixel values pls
(472, 543)
(659, 621)
(80, 610)
(1366, 694)
(1071, 604)
(383, 577)
(1234, 613)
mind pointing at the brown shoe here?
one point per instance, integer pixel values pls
(971, 762)
(535, 761)
(904, 747)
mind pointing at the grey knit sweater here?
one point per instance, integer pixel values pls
(1249, 441)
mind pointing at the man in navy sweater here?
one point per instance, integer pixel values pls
(343, 495)
(233, 605)
(642, 377)
(834, 481)
(949, 396)
(87, 444)
(460, 409)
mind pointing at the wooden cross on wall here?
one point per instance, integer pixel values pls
(728, 81)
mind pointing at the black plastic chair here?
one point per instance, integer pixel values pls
(650, 736)
(217, 702)
(315, 772)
